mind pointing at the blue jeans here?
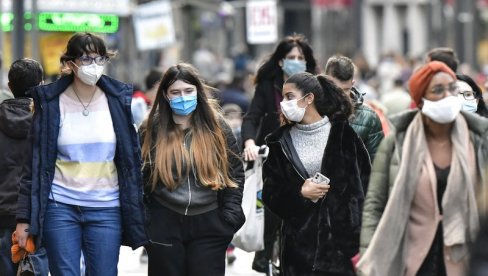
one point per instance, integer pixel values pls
(69, 229)
(7, 268)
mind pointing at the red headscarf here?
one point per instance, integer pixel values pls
(420, 79)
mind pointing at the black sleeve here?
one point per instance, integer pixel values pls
(23, 213)
(253, 117)
(231, 198)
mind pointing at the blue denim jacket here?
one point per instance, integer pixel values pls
(45, 130)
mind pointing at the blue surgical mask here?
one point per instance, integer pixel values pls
(470, 106)
(183, 105)
(293, 66)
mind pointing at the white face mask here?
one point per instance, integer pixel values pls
(90, 74)
(443, 111)
(292, 111)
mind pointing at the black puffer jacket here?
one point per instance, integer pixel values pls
(15, 125)
(318, 237)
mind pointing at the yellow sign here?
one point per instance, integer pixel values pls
(7, 49)
(52, 47)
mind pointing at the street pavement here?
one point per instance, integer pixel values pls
(130, 265)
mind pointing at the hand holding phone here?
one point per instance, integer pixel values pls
(320, 179)
(314, 192)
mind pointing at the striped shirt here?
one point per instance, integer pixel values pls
(85, 172)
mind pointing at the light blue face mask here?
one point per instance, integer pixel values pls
(470, 106)
(293, 66)
(183, 105)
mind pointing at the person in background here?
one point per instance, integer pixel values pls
(142, 101)
(5, 94)
(84, 191)
(15, 126)
(139, 106)
(233, 117)
(365, 121)
(472, 96)
(321, 221)
(234, 93)
(396, 100)
(152, 80)
(292, 55)
(445, 55)
(193, 178)
(421, 211)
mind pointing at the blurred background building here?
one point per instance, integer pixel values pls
(149, 33)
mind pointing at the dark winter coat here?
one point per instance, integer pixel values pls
(263, 116)
(367, 125)
(15, 126)
(318, 237)
(35, 187)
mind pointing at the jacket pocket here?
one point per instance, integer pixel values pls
(234, 219)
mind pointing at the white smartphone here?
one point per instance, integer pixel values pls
(320, 178)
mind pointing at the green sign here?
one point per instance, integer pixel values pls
(78, 22)
(7, 21)
(66, 22)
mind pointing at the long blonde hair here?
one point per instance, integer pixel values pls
(208, 154)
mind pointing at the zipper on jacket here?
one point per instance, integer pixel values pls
(188, 180)
(189, 197)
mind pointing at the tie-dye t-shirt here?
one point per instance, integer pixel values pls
(85, 173)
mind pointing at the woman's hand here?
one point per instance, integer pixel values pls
(314, 191)
(22, 232)
(250, 150)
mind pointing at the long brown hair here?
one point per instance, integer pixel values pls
(208, 150)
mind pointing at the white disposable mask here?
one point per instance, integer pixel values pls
(292, 111)
(90, 74)
(443, 111)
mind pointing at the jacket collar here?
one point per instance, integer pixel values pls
(109, 85)
(283, 137)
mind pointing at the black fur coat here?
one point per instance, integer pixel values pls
(318, 238)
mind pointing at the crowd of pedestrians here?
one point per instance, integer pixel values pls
(368, 173)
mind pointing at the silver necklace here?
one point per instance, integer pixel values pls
(85, 111)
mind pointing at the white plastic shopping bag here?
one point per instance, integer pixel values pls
(251, 235)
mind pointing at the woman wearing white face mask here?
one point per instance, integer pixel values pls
(471, 95)
(321, 222)
(293, 54)
(421, 210)
(85, 193)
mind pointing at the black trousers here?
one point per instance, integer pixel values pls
(186, 245)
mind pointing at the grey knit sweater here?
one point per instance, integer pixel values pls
(309, 142)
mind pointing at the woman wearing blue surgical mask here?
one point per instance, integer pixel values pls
(193, 178)
(292, 55)
(422, 209)
(321, 221)
(84, 190)
(471, 96)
